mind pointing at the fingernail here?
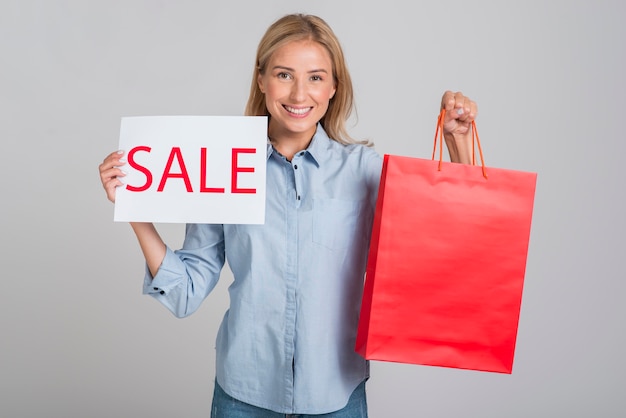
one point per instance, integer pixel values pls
(122, 160)
(123, 172)
(459, 111)
(120, 151)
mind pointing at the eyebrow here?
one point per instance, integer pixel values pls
(281, 67)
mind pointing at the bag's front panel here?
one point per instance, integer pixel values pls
(450, 265)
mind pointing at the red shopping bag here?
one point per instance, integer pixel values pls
(446, 264)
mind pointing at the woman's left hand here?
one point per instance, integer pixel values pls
(457, 125)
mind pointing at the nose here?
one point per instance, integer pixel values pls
(298, 91)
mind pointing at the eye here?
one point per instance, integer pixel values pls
(283, 76)
(316, 77)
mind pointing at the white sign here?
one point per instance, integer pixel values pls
(193, 169)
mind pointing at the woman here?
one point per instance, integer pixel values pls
(286, 344)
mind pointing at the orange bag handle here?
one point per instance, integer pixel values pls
(475, 140)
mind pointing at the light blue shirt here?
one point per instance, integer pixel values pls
(287, 341)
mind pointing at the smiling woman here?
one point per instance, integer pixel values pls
(286, 344)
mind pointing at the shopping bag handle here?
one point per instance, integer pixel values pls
(475, 140)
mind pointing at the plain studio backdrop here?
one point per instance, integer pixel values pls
(77, 337)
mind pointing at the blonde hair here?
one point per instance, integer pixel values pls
(297, 27)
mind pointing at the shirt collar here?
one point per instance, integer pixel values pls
(317, 147)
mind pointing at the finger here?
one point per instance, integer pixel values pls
(473, 110)
(465, 108)
(112, 183)
(461, 104)
(455, 104)
(470, 110)
(448, 101)
(113, 160)
(114, 156)
(110, 174)
(111, 188)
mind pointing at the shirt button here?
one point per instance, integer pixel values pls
(298, 197)
(295, 167)
(155, 288)
(162, 292)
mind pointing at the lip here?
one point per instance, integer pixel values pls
(298, 112)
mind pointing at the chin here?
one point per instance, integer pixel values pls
(300, 127)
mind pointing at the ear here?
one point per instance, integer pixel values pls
(332, 94)
(259, 81)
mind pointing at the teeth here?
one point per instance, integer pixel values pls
(297, 111)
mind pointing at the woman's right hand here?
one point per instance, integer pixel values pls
(110, 173)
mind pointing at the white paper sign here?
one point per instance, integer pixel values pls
(193, 169)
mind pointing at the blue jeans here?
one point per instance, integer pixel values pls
(225, 406)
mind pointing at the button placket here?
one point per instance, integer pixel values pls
(297, 169)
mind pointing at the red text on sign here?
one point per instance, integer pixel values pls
(176, 155)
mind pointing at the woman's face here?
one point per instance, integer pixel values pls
(298, 84)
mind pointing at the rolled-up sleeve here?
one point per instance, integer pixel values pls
(187, 276)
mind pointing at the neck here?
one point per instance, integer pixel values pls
(289, 143)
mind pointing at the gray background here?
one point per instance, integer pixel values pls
(79, 340)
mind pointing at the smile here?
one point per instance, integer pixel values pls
(297, 111)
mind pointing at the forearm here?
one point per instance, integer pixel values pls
(459, 147)
(151, 244)
(181, 279)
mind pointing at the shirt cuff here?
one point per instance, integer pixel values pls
(171, 274)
